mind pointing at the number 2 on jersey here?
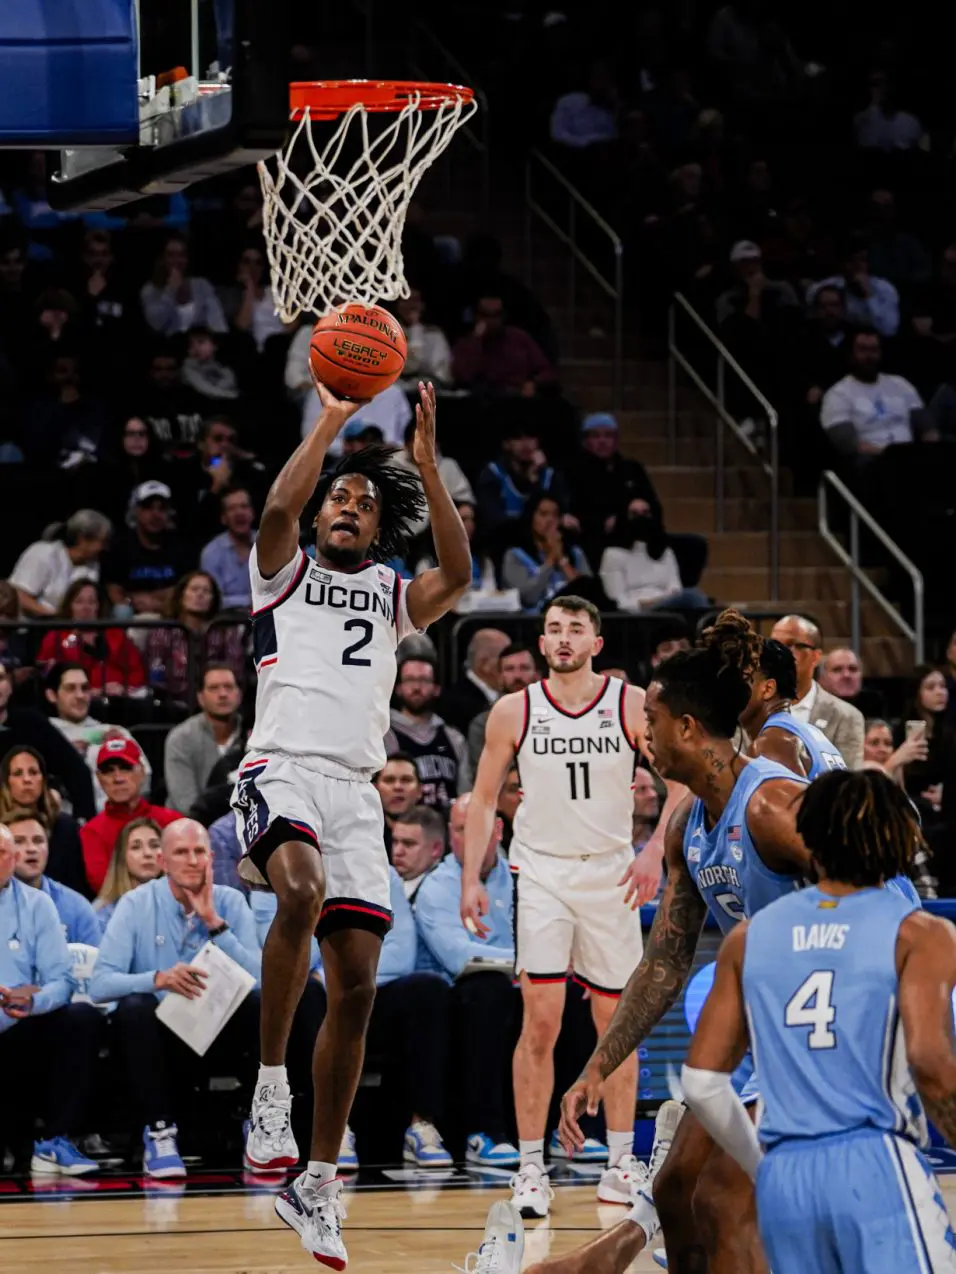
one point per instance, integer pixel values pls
(585, 768)
(348, 654)
(810, 1006)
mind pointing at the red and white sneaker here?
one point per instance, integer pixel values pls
(270, 1145)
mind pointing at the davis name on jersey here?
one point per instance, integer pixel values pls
(324, 643)
(576, 773)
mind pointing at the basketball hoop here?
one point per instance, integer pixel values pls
(333, 227)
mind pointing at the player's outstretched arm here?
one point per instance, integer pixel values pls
(716, 1050)
(505, 722)
(771, 818)
(434, 592)
(278, 536)
(926, 962)
(653, 986)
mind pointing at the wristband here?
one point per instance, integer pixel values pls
(219, 929)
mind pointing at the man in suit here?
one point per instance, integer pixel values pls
(840, 722)
(478, 689)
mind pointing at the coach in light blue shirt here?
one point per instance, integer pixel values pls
(226, 557)
(78, 920)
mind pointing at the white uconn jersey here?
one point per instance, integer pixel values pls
(324, 645)
(576, 773)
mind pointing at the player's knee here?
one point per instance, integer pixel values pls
(539, 1033)
(355, 996)
(300, 900)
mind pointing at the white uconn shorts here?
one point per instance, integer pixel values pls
(570, 917)
(279, 798)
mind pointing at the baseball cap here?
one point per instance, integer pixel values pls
(126, 750)
(151, 490)
(598, 420)
(745, 250)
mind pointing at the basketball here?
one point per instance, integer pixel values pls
(357, 351)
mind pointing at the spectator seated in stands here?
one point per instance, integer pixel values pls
(868, 410)
(484, 593)
(399, 789)
(29, 833)
(137, 460)
(194, 746)
(498, 358)
(250, 305)
(25, 729)
(23, 786)
(481, 970)
(63, 424)
(882, 125)
(174, 301)
(602, 479)
(895, 254)
(752, 298)
(146, 953)
(202, 370)
(112, 663)
(640, 572)
(48, 1046)
(934, 309)
(119, 769)
(418, 843)
(589, 117)
(926, 780)
(841, 673)
(871, 302)
(670, 638)
(647, 809)
(416, 730)
(68, 691)
(521, 472)
(429, 355)
(172, 652)
(145, 562)
(824, 353)
(173, 411)
(134, 862)
(227, 853)
(881, 753)
(840, 722)
(517, 669)
(226, 557)
(481, 684)
(15, 646)
(199, 477)
(449, 470)
(46, 568)
(543, 559)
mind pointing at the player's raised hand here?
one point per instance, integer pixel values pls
(425, 446)
(642, 879)
(586, 1095)
(334, 409)
(474, 905)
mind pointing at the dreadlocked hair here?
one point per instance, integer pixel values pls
(860, 827)
(402, 499)
(778, 664)
(712, 682)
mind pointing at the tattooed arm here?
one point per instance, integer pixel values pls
(926, 966)
(653, 986)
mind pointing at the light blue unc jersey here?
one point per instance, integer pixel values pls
(724, 862)
(822, 754)
(820, 987)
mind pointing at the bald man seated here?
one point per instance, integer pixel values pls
(840, 722)
(147, 953)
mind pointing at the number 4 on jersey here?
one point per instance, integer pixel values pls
(810, 1006)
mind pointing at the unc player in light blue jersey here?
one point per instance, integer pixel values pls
(733, 850)
(845, 991)
(774, 731)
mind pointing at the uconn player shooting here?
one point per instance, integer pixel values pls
(325, 635)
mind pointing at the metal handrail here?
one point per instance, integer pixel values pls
(914, 632)
(568, 237)
(717, 400)
(478, 131)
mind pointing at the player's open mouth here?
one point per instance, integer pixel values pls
(350, 527)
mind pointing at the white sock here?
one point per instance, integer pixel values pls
(320, 1174)
(619, 1144)
(271, 1075)
(532, 1153)
(643, 1213)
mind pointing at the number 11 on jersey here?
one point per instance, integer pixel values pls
(572, 768)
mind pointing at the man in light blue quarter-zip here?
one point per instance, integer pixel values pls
(146, 953)
(47, 1045)
(31, 839)
(484, 996)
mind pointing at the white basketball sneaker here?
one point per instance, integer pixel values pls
(617, 1184)
(502, 1247)
(316, 1215)
(643, 1210)
(270, 1145)
(531, 1191)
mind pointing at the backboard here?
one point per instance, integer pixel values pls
(142, 97)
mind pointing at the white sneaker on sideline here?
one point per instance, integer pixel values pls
(531, 1192)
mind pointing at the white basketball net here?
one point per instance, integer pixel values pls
(336, 236)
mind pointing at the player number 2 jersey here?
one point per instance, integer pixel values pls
(324, 644)
(576, 773)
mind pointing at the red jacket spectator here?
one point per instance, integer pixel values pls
(498, 358)
(119, 768)
(110, 660)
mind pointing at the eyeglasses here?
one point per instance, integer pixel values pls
(799, 645)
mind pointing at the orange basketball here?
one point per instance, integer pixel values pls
(357, 350)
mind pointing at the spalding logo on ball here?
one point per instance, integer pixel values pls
(357, 351)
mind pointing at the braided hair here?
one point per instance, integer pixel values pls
(712, 682)
(400, 491)
(860, 827)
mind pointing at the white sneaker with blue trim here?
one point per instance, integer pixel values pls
(483, 1150)
(502, 1247)
(58, 1157)
(348, 1160)
(593, 1151)
(424, 1146)
(161, 1157)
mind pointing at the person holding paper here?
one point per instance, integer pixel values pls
(47, 1045)
(484, 998)
(147, 953)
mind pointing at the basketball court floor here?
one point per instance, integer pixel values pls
(405, 1223)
